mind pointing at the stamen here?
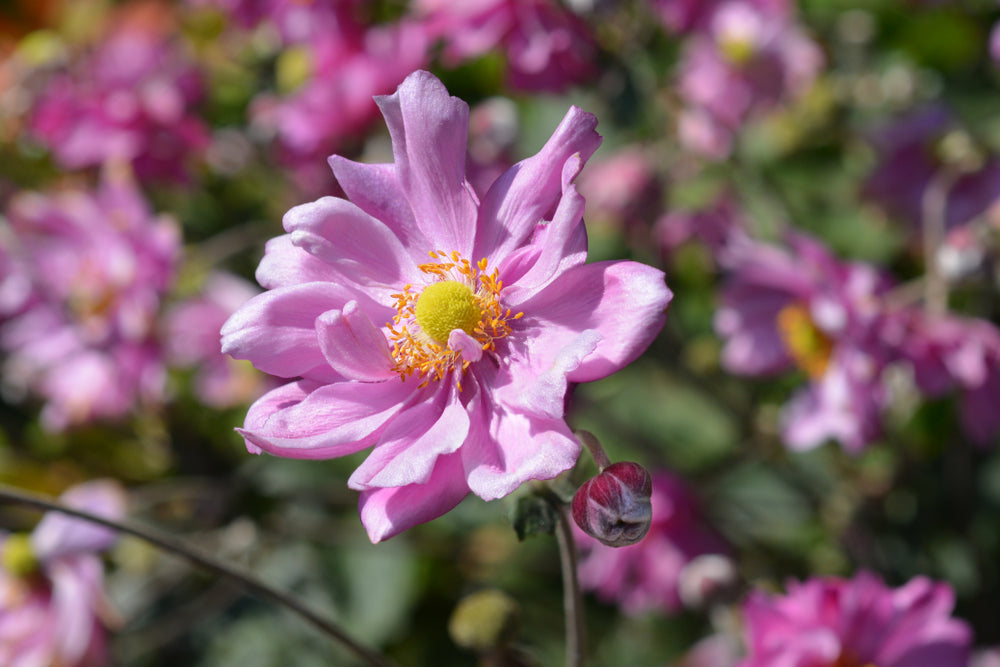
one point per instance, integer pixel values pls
(471, 304)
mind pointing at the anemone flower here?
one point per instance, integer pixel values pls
(441, 330)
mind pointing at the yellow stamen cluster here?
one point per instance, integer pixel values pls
(806, 344)
(461, 295)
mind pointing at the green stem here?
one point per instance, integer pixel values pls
(253, 585)
(572, 597)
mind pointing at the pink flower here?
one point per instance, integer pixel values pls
(913, 150)
(951, 353)
(343, 64)
(645, 576)
(81, 278)
(51, 597)
(855, 623)
(547, 47)
(717, 226)
(192, 341)
(750, 58)
(622, 189)
(437, 327)
(131, 99)
(799, 307)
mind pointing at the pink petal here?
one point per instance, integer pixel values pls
(505, 449)
(538, 386)
(429, 131)
(386, 512)
(285, 264)
(58, 535)
(276, 330)
(563, 245)
(353, 346)
(526, 192)
(375, 189)
(409, 447)
(301, 420)
(359, 247)
(76, 583)
(625, 302)
(470, 349)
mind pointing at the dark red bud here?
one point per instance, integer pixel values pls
(614, 506)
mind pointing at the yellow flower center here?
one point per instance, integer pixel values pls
(17, 557)
(737, 50)
(461, 296)
(806, 344)
(445, 306)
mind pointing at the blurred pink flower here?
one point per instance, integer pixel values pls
(716, 227)
(798, 306)
(913, 150)
(81, 278)
(51, 598)
(130, 99)
(622, 189)
(749, 58)
(854, 623)
(951, 353)
(191, 340)
(341, 65)
(547, 48)
(439, 328)
(645, 576)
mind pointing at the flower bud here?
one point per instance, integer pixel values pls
(614, 506)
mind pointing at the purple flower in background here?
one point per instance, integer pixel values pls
(645, 576)
(855, 623)
(622, 189)
(716, 227)
(130, 99)
(81, 279)
(191, 340)
(437, 327)
(950, 353)
(547, 48)
(799, 306)
(330, 72)
(51, 599)
(749, 58)
(915, 149)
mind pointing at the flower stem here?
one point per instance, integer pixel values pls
(253, 585)
(572, 598)
(593, 446)
(934, 211)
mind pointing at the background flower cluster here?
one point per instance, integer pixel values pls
(819, 180)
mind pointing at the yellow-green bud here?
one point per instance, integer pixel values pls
(17, 556)
(484, 621)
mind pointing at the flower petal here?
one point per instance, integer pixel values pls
(276, 330)
(353, 346)
(506, 448)
(58, 535)
(359, 247)
(625, 302)
(429, 131)
(406, 452)
(303, 420)
(386, 512)
(526, 192)
(375, 189)
(285, 264)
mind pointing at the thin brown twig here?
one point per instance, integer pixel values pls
(9, 494)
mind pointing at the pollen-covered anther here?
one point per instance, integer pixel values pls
(461, 296)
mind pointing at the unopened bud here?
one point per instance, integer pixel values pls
(613, 507)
